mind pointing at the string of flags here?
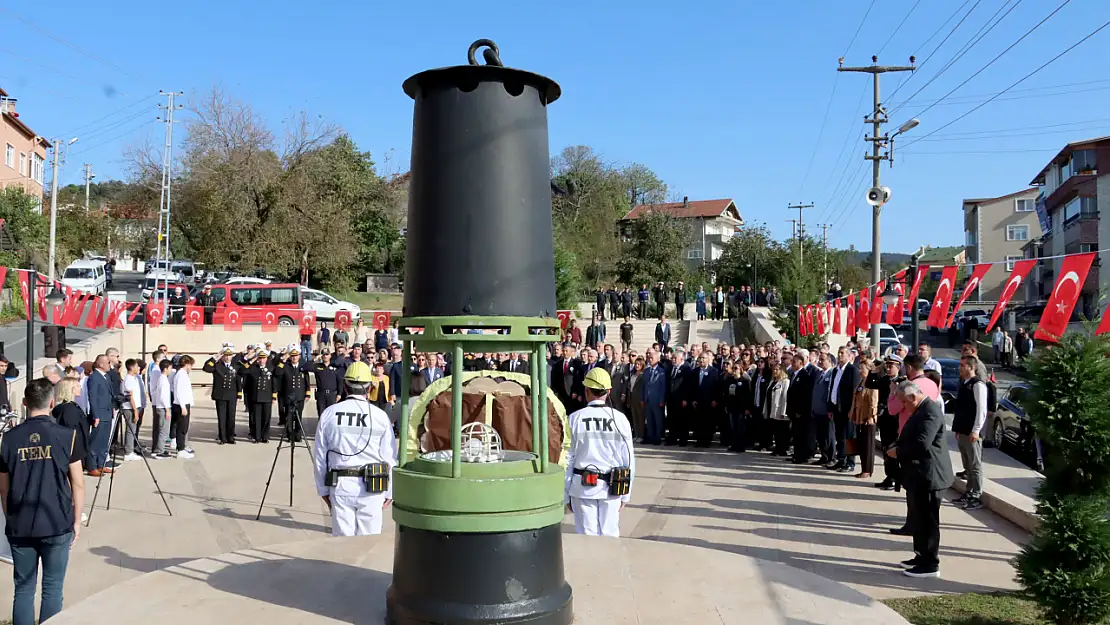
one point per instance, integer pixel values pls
(110, 314)
(817, 319)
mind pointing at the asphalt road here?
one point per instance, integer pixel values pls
(14, 336)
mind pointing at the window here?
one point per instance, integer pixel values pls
(37, 168)
(1084, 161)
(1017, 233)
(969, 238)
(9, 156)
(1024, 206)
(246, 297)
(218, 295)
(695, 254)
(281, 296)
(22, 163)
(1011, 259)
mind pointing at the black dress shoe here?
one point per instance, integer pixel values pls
(912, 562)
(231, 442)
(885, 484)
(900, 531)
(219, 442)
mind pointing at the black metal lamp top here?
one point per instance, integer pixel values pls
(467, 77)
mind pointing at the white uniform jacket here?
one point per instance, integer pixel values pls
(352, 434)
(600, 439)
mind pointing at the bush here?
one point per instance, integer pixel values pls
(1066, 565)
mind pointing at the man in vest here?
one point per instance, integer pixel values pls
(970, 415)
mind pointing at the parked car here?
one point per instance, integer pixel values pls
(1010, 426)
(980, 315)
(325, 305)
(281, 302)
(89, 276)
(949, 382)
(247, 280)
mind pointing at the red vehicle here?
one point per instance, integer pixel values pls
(255, 301)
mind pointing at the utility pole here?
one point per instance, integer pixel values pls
(801, 225)
(162, 245)
(59, 160)
(878, 142)
(88, 177)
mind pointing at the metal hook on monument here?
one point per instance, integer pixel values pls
(491, 53)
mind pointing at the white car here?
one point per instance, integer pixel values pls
(325, 305)
(163, 280)
(86, 275)
(246, 280)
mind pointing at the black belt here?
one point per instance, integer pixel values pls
(600, 476)
(357, 472)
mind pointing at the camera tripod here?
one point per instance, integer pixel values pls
(293, 423)
(117, 420)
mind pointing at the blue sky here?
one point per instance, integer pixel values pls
(720, 99)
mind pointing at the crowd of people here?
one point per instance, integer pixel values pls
(646, 303)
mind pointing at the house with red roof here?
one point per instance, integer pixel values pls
(712, 224)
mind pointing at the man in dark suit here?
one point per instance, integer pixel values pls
(663, 332)
(654, 396)
(799, 402)
(563, 371)
(680, 389)
(706, 382)
(101, 410)
(922, 453)
(513, 364)
(659, 294)
(842, 388)
(588, 361)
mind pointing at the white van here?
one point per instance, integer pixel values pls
(86, 275)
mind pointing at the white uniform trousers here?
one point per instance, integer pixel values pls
(597, 517)
(356, 515)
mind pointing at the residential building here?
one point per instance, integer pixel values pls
(712, 224)
(940, 257)
(24, 151)
(996, 229)
(1071, 190)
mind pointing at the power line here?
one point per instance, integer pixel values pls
(85, 126)
(50, 69)
(975, 39)
(946, 37)
(998, 56)
(1009, 134)
(114, 125)
(1019, 81)
(859, 28)
(68, 44)
(843, 150)
(1018, 151)
(899, 27)
(1017, 128)
(89, 147)
(971, 99)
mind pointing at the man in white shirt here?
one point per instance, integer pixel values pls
(182, 406)
(132, 389)
(926, 354)
(160, 400)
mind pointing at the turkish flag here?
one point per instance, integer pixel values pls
(155, 315)
(894, 313)
(564, 317)
(850, 325)
(194, 317)
(24, 280)
(381, 320)
(837, 326)
(233, 318)
(94, 314)
(802, 330)
(977, 275)
(136, 308)
(270, 321)
(917, 280)
(863, 314)
(114, 318)
(308, 322)
(74, 306)
(1057, 312)
(343, 320)
(877, 302)
(1017, 278)
(42, 289)
(820, 320)
(943, 301)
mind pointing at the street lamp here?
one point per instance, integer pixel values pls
(889, 295)
(54, 203)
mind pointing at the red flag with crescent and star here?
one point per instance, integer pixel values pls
(938, 314)
(1017, 278)
(1057, 312)
(895, 313)
(270, 321)
(564, 317)
(916, 288)
(829, 316)
(343, 320)
(136, 307)
(877, 302)
(802, 330)
(381, 320)
(233, 318)
(194, 317)
(837, 327)
(973, 282)
(114, 317)
(811, 327)
(863, 313)
(820, 320)
(24, 281)
(155, 315)
(308, 323)
(95, 312)
(850, 325)
(1104, 323)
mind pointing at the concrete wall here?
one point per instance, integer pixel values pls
(764, 329)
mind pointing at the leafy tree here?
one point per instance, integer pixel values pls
(654, 251)
(568, 279)
(30, 230)
(1066, 565)
(754, 247)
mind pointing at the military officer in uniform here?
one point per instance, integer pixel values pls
(355, 452)
(292, 388)
(328, 381)
(241, 362)
(225, 391)
(261, 394)
(277, 364)
(601, 463)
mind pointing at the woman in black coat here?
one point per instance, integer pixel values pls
(66, 412)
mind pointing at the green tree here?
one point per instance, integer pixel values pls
(751, 257)
(568, 279)
(1066, 565)
(655, 250)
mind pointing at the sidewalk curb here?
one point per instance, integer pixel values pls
(1010, 511)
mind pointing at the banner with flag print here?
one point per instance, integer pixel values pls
(1016, 279)
(837, 325)
(564, 317)
(194, 317)
(938, 314)
(973, 282)
(381, 320)
(895, 313)
(877, 302)
(802, 330)
(233, 318)
(308, 323)
(863, 313)
(922, 270)
(850, 325)
(1057, 312)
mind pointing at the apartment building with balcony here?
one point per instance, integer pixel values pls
(24, 151)
(1071, 190)
(996, 229)
(712, 224)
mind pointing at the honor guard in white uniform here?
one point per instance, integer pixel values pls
(354, 457)
(601, 462)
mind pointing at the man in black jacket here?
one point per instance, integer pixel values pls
(292, 389)
(680, 300)
(845, 379)
(679, 394)
(888, 423)
(705, 382)
(600, 298)
(225, 390)
(660, 295)
(927, 472)
(799, 403)
(614, 302)
(564, 370)
(8, 371)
